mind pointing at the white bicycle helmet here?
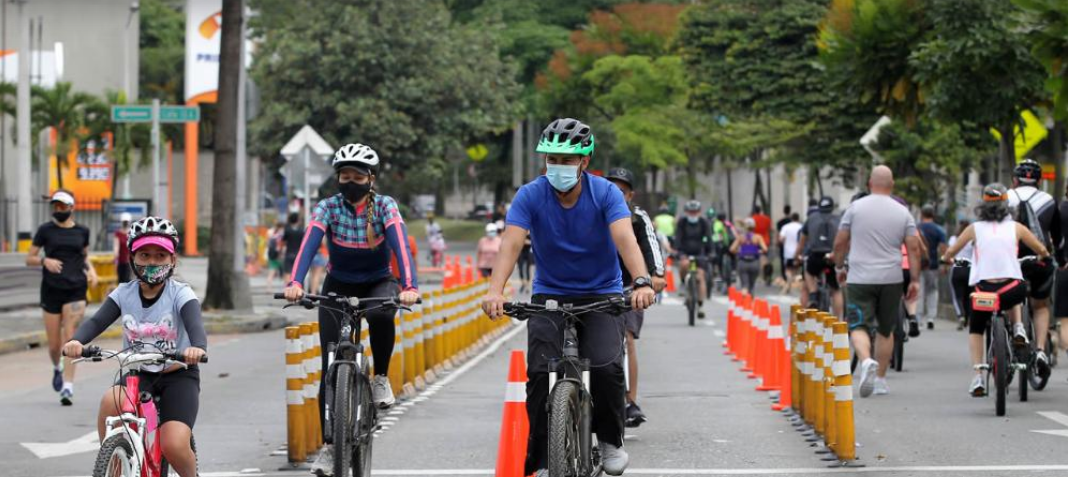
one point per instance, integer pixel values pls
(358, 156)
(153, 227)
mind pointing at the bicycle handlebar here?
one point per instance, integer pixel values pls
(309, 300)
(95, 353)
(522, 310)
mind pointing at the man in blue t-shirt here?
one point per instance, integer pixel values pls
(577, 223)
(935, 236)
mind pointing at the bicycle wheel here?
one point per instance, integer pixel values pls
(344, 420)
(691, 298)
(116, 458)
(569, 449)
(998, 357)
(165, 467)
(361, 457)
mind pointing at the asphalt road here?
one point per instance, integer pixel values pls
(705, 417)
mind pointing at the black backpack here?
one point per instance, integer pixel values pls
(822, 228)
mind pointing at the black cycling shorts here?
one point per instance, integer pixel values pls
(1060, 301)
(177, 393)
(816, 263)
(53, 299)
(1039, 278)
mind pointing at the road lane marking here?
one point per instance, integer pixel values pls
(1057, 417)
(46, 450)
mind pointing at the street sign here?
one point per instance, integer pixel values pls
(142, 113)
(135, 113)
(179, 114)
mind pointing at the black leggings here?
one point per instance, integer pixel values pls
(962, 302)
(379, 324)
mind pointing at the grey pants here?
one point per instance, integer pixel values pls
(748, 272)
(929, 293)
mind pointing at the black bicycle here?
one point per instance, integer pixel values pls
(572, 452)
(350, 416)
(1003, 359)
(691, 286)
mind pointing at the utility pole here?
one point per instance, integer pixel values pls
(23, 176)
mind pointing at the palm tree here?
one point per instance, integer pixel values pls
(66, 112)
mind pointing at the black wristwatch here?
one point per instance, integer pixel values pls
(643, 282)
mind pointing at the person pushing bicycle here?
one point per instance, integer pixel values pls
(578, 223)
(363, 228)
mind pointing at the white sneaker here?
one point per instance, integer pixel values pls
(1019, 334)
(867, 376)
(614, 459)
(978, 387)
(382, 392)
(881, 389)
(324, 463)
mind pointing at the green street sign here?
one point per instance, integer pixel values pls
(179, 114)
(131, 114)
(142, 113)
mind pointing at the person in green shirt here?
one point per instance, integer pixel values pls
(665, 225)
(721, 242)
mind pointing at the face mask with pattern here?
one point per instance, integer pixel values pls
(153, 274)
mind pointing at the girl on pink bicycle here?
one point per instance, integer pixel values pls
(162, 314)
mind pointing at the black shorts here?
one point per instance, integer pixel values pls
(1039, 278)
(816, 264)
(634, 320)
(907, 279)
(1008, 299)
(53, 299)
(792, 263)
(1060, 300)
(177, 394)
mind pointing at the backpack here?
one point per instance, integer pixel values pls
(1026, 215)
(821, 231)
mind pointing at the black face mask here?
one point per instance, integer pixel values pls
(61, 216)
(353, 192)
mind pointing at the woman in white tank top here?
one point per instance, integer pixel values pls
(995, 268)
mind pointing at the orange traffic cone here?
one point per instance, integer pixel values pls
(457, 276)
(515, 429)
(747, 334)
(774, 348)
(669, 274)
(730, 322)
(760, 341)
(469, 272)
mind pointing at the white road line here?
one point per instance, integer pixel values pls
(934, 469)
(486, 352)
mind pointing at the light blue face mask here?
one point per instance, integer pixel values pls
(562, 177)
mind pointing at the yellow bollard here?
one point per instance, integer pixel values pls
(295, 414)
(795, 386)
(817, 376)
(830, 434)
(317, 353)
(439, 332)
(396, 361)
(810, 366)
(845, 445)
(311, 391)
(419, 352)
(408, 330)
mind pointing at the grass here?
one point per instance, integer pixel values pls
(454, 230)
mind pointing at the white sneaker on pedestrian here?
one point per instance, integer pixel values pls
(867, 376)
(1019, 334)
(324, 463)
(978, 387)
(881, 388)
(614, 459)
(382, 392)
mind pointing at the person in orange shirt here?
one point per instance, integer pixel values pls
(415, 255)
(762, 227)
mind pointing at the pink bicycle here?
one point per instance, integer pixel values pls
(131, 447)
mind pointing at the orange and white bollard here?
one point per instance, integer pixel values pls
(295, 411)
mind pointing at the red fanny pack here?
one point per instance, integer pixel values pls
(990, 301)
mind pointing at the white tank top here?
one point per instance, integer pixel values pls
(995, 252)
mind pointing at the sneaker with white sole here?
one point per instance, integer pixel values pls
(614, 459)
(382, 392)
(880, 387)
(867, 376)
(978, 387)
(324, 463)
(1042, 364)
(66, 396)
(1019, 335)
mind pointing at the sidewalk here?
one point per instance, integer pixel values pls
(21, 325)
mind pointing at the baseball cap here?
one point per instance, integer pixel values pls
(62, 196)
(622, 175)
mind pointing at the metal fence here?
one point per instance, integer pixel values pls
(94, 214)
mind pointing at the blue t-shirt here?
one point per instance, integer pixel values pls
(934, 235)
(572, 247)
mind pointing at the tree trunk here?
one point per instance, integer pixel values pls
(1007, 153)
(730, 194)
(227, 288)
(1056, 140)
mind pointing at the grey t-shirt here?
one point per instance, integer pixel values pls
(160, 324)
(878, 225)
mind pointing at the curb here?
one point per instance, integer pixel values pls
(214, 324)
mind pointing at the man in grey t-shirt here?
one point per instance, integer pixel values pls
(871, 233)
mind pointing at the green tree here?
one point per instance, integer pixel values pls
(928, 153)
(162, 50)
(1045, 23)
(66, 112)
(976, 66)
(400, 76)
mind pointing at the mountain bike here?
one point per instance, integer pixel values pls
(1002, 359)
(131, 446)
(691, 287)
(350, 417)
(572, 450)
